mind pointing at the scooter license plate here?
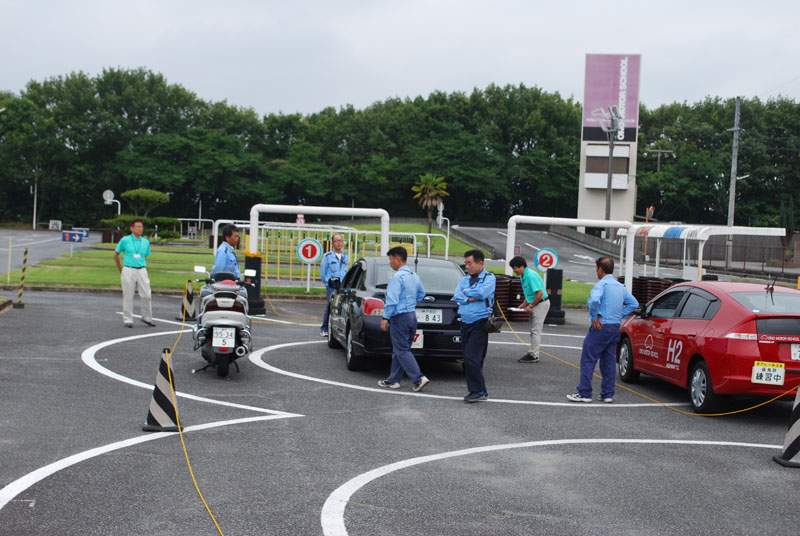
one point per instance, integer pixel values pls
(224, 337)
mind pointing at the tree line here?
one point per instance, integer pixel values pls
(502, 150)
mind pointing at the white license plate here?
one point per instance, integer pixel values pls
(429, 316)
(795, 352)
(418, 339)
(768, 373)
(224, 338)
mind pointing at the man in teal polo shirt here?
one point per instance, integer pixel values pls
(537, 303)
(133, 273)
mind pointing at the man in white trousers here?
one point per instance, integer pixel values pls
(133, 273)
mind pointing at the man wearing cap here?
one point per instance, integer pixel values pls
(133, 273)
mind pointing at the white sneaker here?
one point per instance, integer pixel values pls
(606, 399)
(420, 383)
(576, 397)
(388, 385)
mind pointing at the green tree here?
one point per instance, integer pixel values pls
(144, 199)
(429, 191)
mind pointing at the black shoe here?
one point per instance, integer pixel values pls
(527, 358)
(128, 325)
(476, 397)
(149, 323)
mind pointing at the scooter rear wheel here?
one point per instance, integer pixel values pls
(223, 360)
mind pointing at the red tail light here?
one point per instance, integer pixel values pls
(373, 306)
(746, 331)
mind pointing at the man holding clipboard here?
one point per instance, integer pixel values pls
(537, 303)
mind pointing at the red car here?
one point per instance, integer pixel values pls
(716, 338)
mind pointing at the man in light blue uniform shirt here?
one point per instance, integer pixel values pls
(225, 259)
(474, 296)
(333, 264)
(609, 302)
(403, 292)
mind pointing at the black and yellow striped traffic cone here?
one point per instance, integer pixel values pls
(791, 445)
(188, 307)
(162, 415)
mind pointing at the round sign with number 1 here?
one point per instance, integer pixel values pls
(545, 259)
(309, 251)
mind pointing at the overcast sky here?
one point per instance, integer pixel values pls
(302, 56)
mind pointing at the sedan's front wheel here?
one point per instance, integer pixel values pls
(625, 357)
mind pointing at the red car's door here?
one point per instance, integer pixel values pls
(650, 342)
(684, 337)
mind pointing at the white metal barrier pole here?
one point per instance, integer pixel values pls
(255, 210)
(658, 253)
(8, 274)
(629, 245)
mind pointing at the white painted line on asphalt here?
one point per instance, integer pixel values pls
(332, 515)
(88, 357)
(33, 243)
(502, 233)
(256, 357)
(262, 318)
(39, 358)
(16, 487)
(531, 246)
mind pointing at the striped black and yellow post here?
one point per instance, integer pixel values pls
(791, 445)
(19, 304)
(162, 415)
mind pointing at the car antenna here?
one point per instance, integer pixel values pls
(770, 288)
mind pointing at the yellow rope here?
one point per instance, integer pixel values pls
(288, 316)
(596, 375)
(178, 419)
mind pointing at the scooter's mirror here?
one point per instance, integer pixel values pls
(249, 273)
(200, 270)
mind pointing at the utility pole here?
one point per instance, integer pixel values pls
(611, 131)
(732, 189)
(659, 152)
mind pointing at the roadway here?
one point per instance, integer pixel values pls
(295, 444)
(42, 245)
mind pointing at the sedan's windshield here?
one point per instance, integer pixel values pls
(440, 278)
(769, 302)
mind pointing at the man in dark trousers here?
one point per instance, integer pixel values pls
(474, 296)
(609, 302)
(403, 292)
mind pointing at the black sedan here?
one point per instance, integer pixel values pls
(356, 310)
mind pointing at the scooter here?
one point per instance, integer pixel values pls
(223, 328)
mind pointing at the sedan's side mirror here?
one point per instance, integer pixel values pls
(334, 282)
(639, 311)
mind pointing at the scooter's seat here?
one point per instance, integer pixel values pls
(219, 277)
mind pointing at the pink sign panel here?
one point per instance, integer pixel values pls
(611, 80)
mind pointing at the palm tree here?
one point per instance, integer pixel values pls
(429, 189)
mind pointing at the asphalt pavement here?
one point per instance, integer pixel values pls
(41, 245)
(295, 444)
